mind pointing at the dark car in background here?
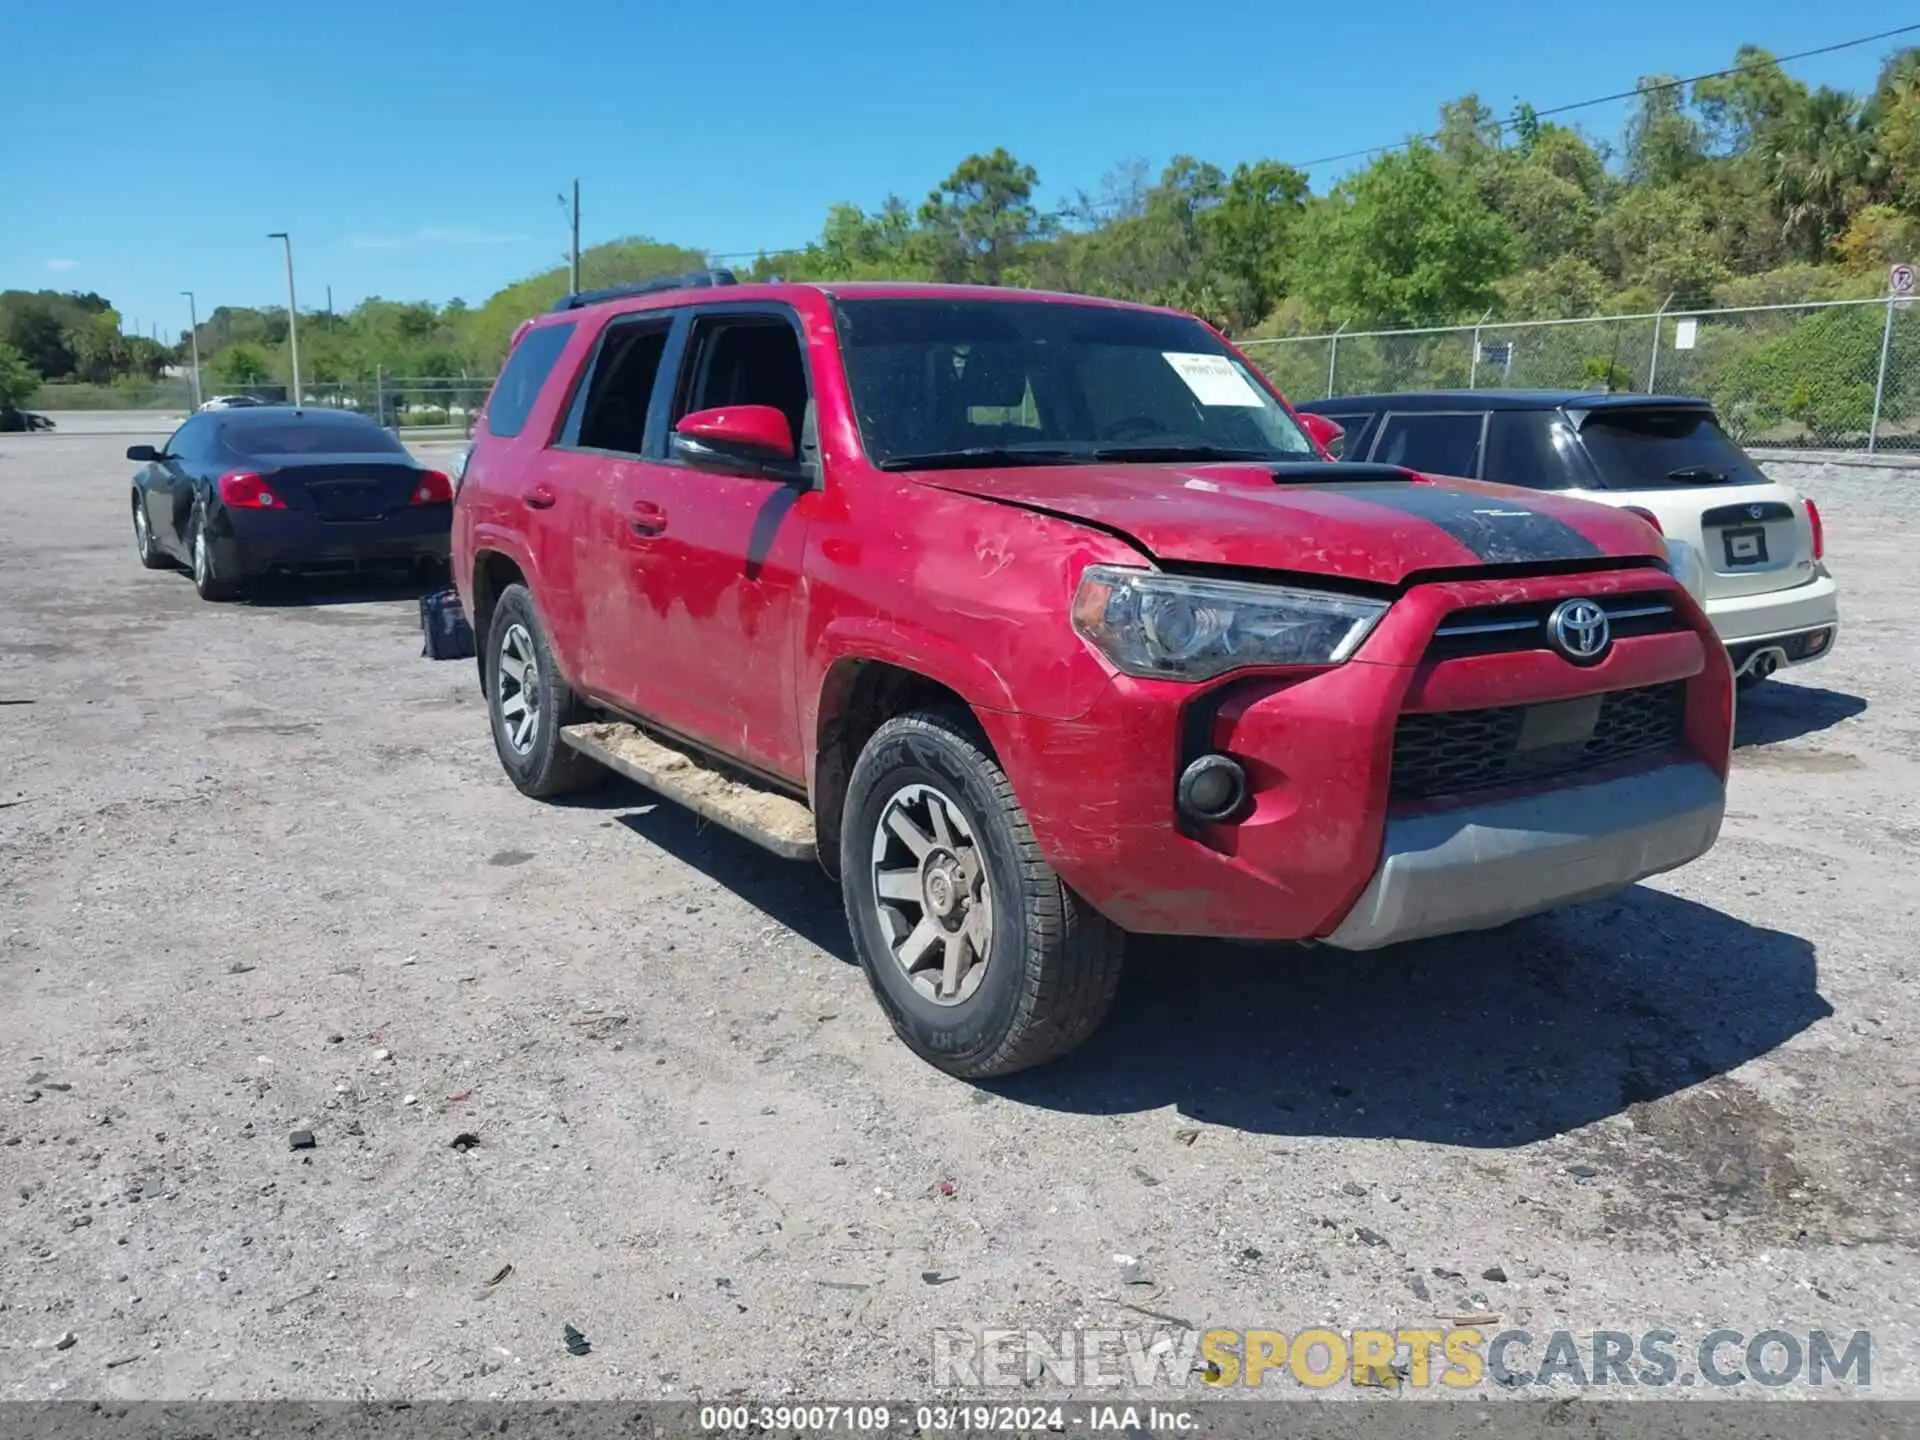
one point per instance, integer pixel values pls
(238, 495)
(1758, 548)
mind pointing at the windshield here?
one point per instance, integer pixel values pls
(310, 435)
(1651, 449)
(959, 382)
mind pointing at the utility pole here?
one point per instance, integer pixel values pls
(293, 337)
(573, 252)
(329, 307)
(193, 337)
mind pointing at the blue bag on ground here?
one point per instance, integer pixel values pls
(444, 625)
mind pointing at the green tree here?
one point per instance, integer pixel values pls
(1664, 143)
(981, 216)
(1818, 164)
(1407, 241)
(18, 379)
(242, 364)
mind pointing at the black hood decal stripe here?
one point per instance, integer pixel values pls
(1496, 529)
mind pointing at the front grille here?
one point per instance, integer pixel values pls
(1453, 752)
(1496, 629)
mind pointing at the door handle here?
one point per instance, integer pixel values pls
(647, 518)
(539, 497)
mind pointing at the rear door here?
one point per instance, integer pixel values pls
(1675, 461)
(613, 432)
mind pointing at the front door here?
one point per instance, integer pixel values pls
(715, 558)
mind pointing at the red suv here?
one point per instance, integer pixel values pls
(1039, 619)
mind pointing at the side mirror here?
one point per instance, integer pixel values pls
(736, 440)
(1328, 434)
(142, 452)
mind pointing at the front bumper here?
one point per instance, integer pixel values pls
(1319, 829)
(1483, 865)
(297, 542)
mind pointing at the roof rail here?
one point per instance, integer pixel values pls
(698, 279)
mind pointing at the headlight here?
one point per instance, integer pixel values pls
(1173, 627)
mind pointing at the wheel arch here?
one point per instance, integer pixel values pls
(493, 572)
(858, 694)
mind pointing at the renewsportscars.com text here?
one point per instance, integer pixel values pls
(1459, 1358)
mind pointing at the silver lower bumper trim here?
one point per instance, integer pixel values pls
(1482, 865)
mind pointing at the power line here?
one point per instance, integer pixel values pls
(1507, 124)
(1638, 90)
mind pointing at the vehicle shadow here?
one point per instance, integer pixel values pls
(1487, 1040)
(281, 593)
(1777, 711)
(798, 896)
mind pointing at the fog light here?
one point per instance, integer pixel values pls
(1212, 788)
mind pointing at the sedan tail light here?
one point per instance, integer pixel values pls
(432, 488)
(1819, 531)
(244, 490)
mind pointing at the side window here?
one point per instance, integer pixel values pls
(1353, 444)
(188, 441)
(1445, 444)
(619, 392)
(519, 384)
(746, 360)
(1520, 450)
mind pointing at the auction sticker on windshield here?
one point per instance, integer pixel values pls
(1212, 379)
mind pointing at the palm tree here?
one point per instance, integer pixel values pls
(1819, 160)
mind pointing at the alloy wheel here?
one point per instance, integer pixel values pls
(517, 688)
(931, 894)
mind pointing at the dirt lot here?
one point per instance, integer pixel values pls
(259, 872)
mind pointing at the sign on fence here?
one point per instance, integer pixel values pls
(1900, 285)
(1686, 334)
(1499, 352)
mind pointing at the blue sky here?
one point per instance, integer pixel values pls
(414, 151)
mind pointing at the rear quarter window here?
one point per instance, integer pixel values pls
(527, 369)
(1442, 442)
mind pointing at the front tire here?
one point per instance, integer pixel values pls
(982, 958)
(529, 702)
(143, 541)
(207, 580)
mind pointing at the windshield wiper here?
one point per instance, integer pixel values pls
(1705, 473)
(1147, 453)
(976, 456)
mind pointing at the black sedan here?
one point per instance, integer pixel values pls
(237, 495)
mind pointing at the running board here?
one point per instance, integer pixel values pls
(765, 816)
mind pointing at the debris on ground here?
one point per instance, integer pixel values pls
(1368, 1236)
(1143, 1175)
(240, 967)
(466, 1140)
(1187, 1134)
(301, 1140)
(1133, 1270)
(576, 1342)
(948, 1189)
(66, 1341)
(1495, 1274)
(1583, 1172)
(935, 1277)
(500, 1274)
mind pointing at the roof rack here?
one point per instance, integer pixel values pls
(696, 280)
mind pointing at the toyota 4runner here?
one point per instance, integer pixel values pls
(1039, 620)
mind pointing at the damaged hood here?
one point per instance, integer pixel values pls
(1359, 522)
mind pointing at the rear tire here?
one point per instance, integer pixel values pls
(144, 546)
(207, 580)
(931, 819)
(528, 703)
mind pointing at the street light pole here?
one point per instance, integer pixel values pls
(293, 335)
(573, 251)
(193, 338)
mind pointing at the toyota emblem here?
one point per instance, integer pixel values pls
(1579, 631)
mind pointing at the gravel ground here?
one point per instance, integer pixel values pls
(259, 873)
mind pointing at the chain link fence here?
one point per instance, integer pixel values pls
(1833, 375)
(429, 407)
